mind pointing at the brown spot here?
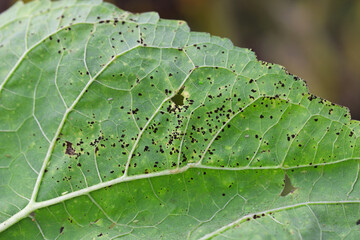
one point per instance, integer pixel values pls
(32, 216)
(69, 149)
(112, 226)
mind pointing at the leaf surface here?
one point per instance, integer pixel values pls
(120, 125)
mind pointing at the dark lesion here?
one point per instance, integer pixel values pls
(288, 187)
(69, 149)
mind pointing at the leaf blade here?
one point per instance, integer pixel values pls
(106, 120)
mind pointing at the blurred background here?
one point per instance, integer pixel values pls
(317, 40)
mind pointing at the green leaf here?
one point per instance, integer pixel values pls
(115, 125)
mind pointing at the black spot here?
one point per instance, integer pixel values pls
(69, 149)
(61, 229)
(358, 222)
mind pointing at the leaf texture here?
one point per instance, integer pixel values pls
(120, 125)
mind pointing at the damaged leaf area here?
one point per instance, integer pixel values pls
(118, 125)
(288, 187)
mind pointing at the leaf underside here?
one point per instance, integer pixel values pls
(119, 125)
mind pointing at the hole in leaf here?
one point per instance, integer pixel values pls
(288, 188)
(178, 99)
